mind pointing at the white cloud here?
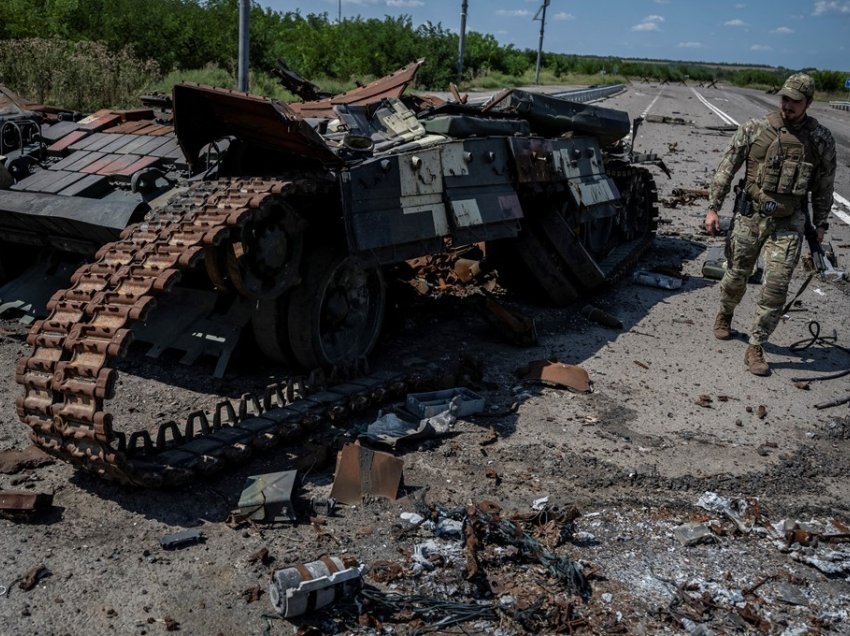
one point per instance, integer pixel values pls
(735, 23)
(649, 23)
(760, 47)
(690, 45)
(662, 1)
(405, 3)
(740, 6)
(782, 31)
(563, 15)
(516, 13)
(831, 6)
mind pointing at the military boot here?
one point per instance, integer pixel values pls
(723, 326)
(754, 359)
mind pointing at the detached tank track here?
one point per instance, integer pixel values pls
(70, 374)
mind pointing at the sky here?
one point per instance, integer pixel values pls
(795, 34)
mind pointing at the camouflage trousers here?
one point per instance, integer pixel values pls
(781, 240)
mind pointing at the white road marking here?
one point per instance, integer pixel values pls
(840, 200)
(651, 104)
(726, 118)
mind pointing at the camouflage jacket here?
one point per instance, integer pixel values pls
(823, 175)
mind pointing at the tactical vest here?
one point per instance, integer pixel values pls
(779, 166)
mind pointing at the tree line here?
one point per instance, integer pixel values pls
(57, 47)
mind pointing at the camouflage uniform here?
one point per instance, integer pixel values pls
(778, 220)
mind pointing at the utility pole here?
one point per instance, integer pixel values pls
(244, 29)
(463, 8)
(541, 12)
(339, 13)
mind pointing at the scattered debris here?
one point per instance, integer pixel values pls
(694, 533)
(436, 402)
(181, 539)
(305, 587)
(744, 513)
(261, 556)
(761, 411)
(14, 461)
(704, 401)
(392, 428)
(557, 374)
(601, 317)
(666, 119)
(33, 576)
(267, 498)
(171, 625)
(252, 594)
(653, 279)
(16, 504)
(361, 471)
(512, 325)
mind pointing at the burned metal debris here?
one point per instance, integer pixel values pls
(557, 374)
(361, 471)
(267, 498)
(22, 505)
(306, 587)
(181, 539)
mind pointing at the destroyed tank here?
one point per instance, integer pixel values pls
(227, 210)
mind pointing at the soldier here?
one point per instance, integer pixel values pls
(788, 154)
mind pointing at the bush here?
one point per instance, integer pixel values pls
(81, 76)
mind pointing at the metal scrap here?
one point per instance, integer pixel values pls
(33, 576)
(21, 505)
(305, 587)
(181, 539)
(601, 317)
(512, 325)
(362, 471)
(482, 525)
(558, 374)
(13, 461)
(267, 498)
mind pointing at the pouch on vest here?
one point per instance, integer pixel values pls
(768, 175)
(804, 175)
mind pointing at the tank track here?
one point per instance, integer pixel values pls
(625, 257)
(70, 373)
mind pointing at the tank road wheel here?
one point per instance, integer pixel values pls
(335, 314)
(262, 261)
(639, 196)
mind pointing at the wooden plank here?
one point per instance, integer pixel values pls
(105, 160)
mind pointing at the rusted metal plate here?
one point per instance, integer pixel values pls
(203, 114)
(22, 501)
(14, 461)
(392, 85)
(361, 471)
(558, 374)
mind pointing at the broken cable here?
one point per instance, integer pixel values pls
(426, 607)
(825, 341)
